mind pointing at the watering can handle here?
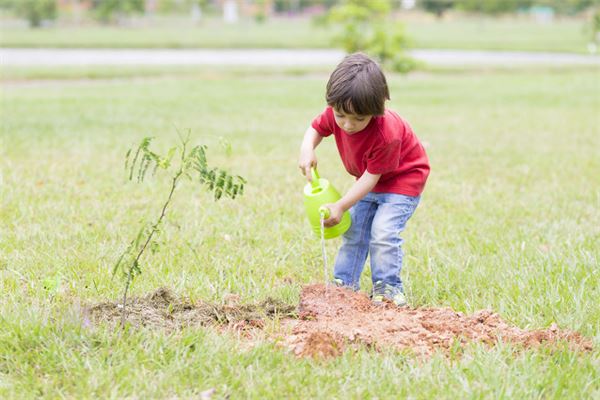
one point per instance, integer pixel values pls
(314, 177)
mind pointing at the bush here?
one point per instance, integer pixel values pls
(35, 11)
(437, 7)
(109, 11)
(178, 6)
(367, 28)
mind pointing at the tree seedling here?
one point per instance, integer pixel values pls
(192, 165)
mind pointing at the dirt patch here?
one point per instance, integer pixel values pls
(162, 309)
(332, 319)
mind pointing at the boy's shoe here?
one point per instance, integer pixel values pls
(383, 291)
(337, 282)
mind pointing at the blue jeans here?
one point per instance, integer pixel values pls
(377, 221)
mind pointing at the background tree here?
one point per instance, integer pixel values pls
(34, 11)
(495, 7)
(437, 7)
(110, 11)
(367, 26)
(569, 7)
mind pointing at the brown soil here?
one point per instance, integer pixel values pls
(332, 319)
(164, 310)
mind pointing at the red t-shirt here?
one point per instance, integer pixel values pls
(386, 146)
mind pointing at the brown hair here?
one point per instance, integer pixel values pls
(357, 86)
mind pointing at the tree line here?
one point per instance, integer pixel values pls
(107, 11)
(496, 7)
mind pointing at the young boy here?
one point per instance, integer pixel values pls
(380, 149)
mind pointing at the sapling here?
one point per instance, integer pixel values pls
(192, 165)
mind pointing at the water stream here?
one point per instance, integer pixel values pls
(325, 267)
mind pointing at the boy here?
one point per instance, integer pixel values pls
(380, 149)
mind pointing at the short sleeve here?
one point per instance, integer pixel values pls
(384, 158)
(323, 123)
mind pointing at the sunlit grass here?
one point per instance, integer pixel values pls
(508, 221)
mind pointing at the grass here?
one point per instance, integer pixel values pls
(563, 35)
(138, 72)
(514, 34)
(212, 33)
(508, 222)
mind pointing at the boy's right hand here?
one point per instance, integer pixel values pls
(308, 160)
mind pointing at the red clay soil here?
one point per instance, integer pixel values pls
(333, 319)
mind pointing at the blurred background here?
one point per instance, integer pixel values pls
(381, 27)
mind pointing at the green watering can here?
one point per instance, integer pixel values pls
(316, 194)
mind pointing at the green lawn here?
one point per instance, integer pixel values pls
(508, 221)
(500, 34)
(461, 33)
(213, 33)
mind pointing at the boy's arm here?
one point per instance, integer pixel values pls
(361, 187)
(308, 157)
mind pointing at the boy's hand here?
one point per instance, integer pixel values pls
(308, 159)
(335, 216)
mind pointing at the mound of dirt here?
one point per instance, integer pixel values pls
(331, 319)
(162, 309)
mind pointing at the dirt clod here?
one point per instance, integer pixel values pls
(321, 345)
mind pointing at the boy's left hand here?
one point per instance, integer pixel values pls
(336, 214)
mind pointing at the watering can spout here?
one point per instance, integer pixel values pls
(324, 212)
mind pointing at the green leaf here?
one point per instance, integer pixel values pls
(127, 158)
(154, 247)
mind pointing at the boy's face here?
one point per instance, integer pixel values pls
(351, 123)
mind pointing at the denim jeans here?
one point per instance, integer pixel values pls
(377, 221)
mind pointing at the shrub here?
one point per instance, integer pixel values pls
(366, 27)
(35, 11)
(110, 11)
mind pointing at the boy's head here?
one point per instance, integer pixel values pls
(357, 86)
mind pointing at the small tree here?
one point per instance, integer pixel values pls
(366, 27)
(437, 7)
(109, 11)
(192, 165)
(35, 11)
